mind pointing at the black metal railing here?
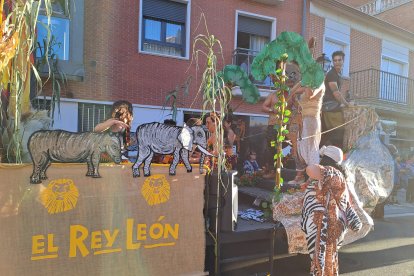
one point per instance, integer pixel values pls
(244, 58)
(382, 88)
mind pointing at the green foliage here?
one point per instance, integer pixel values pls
(234, 75)
(49, 60)
(173, 95)
(271, 61)
(266, 208)
(21, 21)
(277, 194)
(288, 46)
(216, 95)
(283, 116)
(216, 85)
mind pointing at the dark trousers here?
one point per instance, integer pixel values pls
(334, 137)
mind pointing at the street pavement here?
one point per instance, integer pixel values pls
(387, 250)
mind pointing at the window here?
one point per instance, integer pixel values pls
(89, 115)
(337, 38)
(393, 84)
(59, 42)
(252, 34)
(67, 37)
(164, 28)
(394, 72)
(40, 103)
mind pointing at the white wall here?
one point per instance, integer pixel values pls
(68, 117)
(144, 115)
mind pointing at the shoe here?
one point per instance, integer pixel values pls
(297, 181)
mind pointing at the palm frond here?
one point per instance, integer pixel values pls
(17, 46)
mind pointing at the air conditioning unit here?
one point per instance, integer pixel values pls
(389, 127)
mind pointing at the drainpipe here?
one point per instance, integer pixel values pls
(304, 17)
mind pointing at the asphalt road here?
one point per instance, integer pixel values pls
(387, 250)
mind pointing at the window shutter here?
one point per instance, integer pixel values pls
(166, 10)
(89, 115)
(254, 26)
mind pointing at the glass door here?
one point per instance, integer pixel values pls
(393, 84)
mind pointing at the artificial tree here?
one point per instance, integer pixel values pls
(271, 61)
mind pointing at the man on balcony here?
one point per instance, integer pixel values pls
(333, 102)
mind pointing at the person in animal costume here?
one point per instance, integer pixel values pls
(327, 212)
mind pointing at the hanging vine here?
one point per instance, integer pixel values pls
(283, 116)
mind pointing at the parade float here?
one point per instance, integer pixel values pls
(66, 213)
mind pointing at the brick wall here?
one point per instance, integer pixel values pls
(115, 70)
(400, 16)
(365, 51)
(317, 29)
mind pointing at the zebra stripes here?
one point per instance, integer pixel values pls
(354, 222)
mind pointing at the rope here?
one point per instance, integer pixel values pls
(307, 137)
(329, 130)
(257, 134)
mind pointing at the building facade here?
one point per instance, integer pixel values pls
(379, 62)
(141, 51)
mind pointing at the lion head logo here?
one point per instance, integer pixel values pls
(61, 195)
(156, 189)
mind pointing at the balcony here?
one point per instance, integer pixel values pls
(244, 58)
(383, 90)
(378, 6)
(269, 2)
